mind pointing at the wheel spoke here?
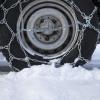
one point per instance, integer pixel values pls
(42, 29)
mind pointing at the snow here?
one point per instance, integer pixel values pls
(96, 55)
(46, 82)
(95, 62)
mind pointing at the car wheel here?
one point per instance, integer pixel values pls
(36, 32)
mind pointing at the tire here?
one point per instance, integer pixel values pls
(51, 38)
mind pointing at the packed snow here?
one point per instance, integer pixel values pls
(46, 82)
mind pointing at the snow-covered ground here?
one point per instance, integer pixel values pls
(95, 62)
(48, 83)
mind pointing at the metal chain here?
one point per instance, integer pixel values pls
(27, 58)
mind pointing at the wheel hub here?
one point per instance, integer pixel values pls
(47, 25)
(48, 29)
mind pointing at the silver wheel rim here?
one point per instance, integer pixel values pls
(38, 34)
